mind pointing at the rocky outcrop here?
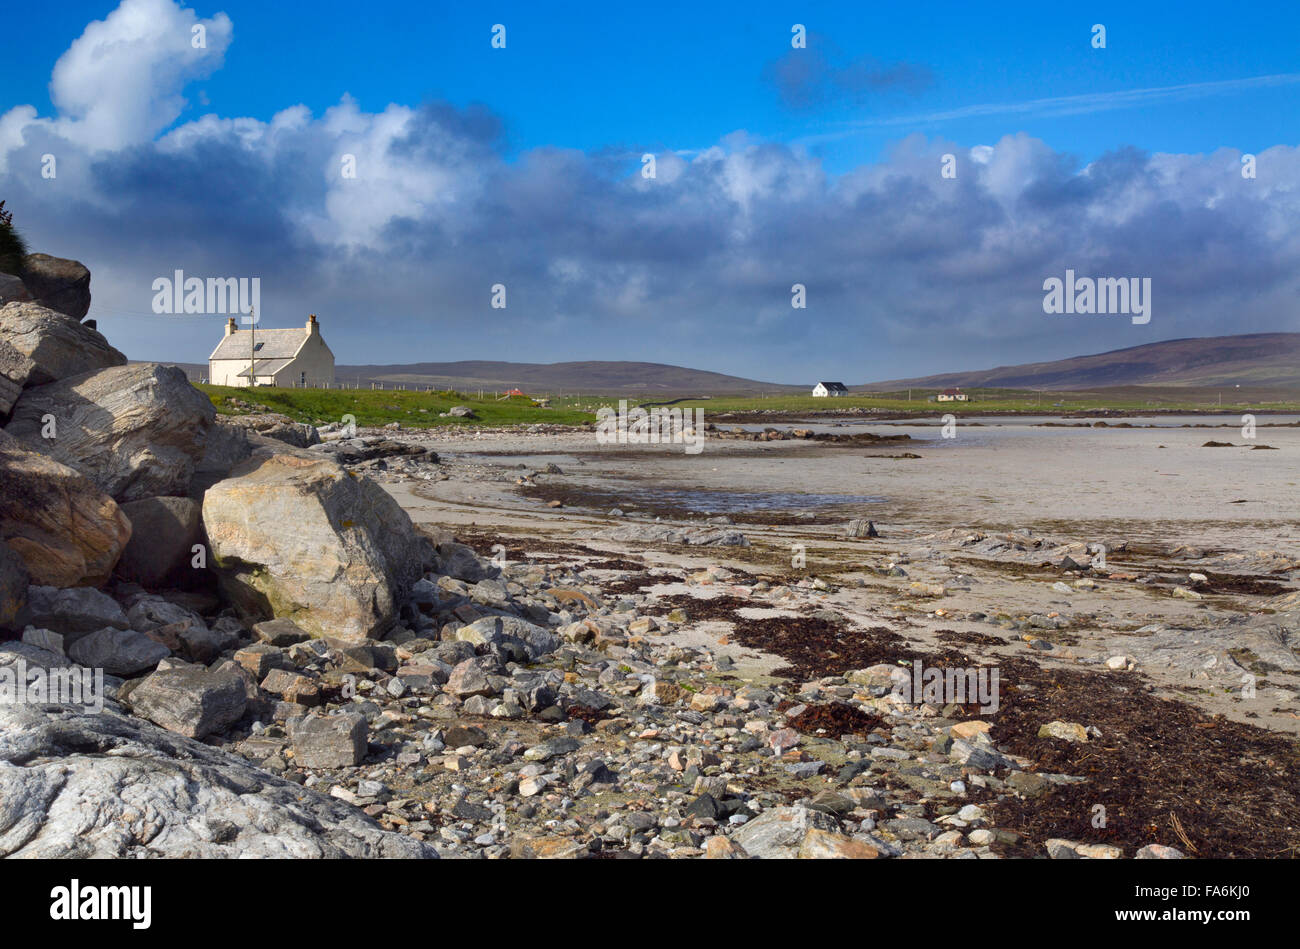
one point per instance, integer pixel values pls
(13, 585)
(76, 784)
(163, 534)
(53, 345)
(137, 431)
(304, 539)
(279, 427)
(14, 369)
(65, 529)
(58, 283)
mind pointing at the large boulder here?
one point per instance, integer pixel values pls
(13, 290)
(13, 585)
(163, 534)
(137, 431)
(74, 612)
(15, 367)
(302, 538)
(79, 784)
(57, 283)
(67, 531)
(229, 445)
(55, 345)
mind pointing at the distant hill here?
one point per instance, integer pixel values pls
(570, 378)
(1255, 360)
(1259, 360)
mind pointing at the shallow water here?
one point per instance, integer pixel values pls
(742, 502)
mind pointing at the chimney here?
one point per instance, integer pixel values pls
(230, 326)
(313, 328)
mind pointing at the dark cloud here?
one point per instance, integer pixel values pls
(906, 271)
(821, 74)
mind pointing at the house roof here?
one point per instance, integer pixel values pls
(833, 385)
(952, 391)
(267, 367)
(271, 344)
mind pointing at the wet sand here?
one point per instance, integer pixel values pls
(1165, 507)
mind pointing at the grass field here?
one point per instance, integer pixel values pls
(421, 409)
(1135, 399)
(379, 407)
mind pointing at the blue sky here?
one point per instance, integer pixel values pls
(519, 166)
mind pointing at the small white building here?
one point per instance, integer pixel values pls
(829, 390)
(293, 358)
(953, 395)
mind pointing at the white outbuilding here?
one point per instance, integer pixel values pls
(292, 358)
(829, 389)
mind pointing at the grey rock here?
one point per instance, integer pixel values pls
(119, 652)
(136, 431)
(65, 529)
(151, 612)
(302, 538)
(467, 679)
(496, 630)
(77, 610)
(280, 632)
(1158, 852)
(667, 534)
(281, 428)
(329, 741)
(190, 700)
(164, 531)
(13, 586)
(552, 748)
(58, 283)
(13, 290)
(778, 832)
(860, 527)
(459, 561)
(55, 345)
(77, 785)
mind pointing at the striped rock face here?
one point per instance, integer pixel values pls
(137, 431)
(67, 531)
(302, 538)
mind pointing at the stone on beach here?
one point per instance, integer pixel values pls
(304, 539)
(329, 741)
(190, 700)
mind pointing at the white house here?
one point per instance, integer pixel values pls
(953, 395)
(829, 389)
(284, 357)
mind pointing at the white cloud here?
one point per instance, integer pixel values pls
(120, 82)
